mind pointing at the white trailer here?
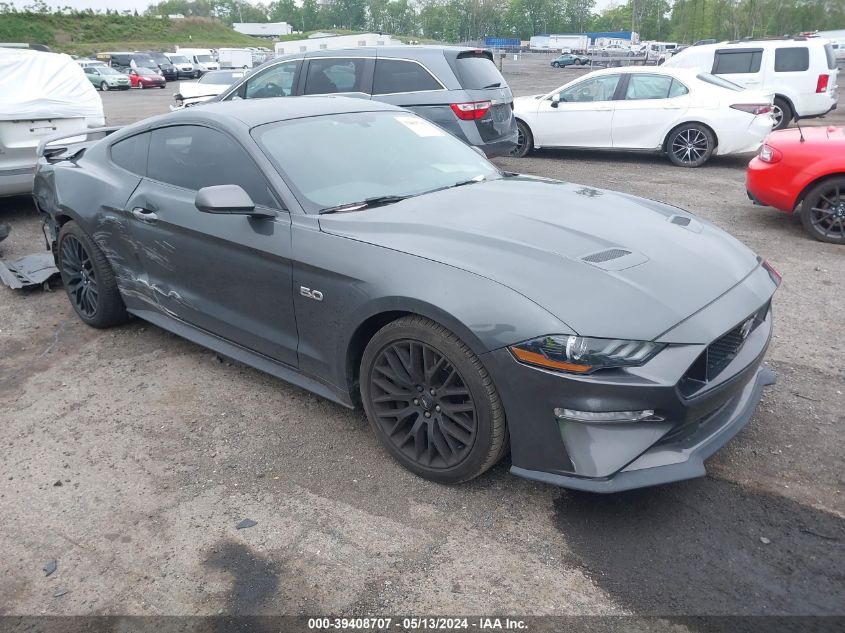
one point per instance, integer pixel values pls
(234, 58)
(571, 43)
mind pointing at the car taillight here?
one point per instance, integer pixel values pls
(753, 108)
(821, 84)
(769, 154)
(471, 111)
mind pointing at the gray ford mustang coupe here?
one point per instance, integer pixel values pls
(360, 252)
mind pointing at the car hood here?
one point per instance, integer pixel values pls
(606, 264)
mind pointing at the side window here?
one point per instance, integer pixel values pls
(276, 81)
(598, 89)
(648, 87)
(188, 156)
(792, 60)
(394, 75)
(326, 76)
(732, 62)
(131, 153)
(678, 89)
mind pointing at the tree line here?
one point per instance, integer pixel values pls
(470, 20)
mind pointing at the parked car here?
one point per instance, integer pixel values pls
(569, 60)
(107, 78)
(460, 89)
(163, 64)
(804, 169)
(184, 67)
(201, 59)
(615, 50)
(48, 94)
(687, 115)
(146, 78)
(400, 269)
(206, 87)
(801, 72)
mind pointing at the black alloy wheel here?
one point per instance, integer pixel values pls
(524, 141)
(79, 277)
(431, 402)
(823, 211)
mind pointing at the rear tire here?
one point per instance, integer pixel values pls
(782, 114)
(823, 211)
(690, 145)
(524, 142)
(431, 402)
(88, 279)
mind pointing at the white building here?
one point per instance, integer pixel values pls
(334, 42)
(263, 29)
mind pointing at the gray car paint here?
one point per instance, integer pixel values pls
(496, 263)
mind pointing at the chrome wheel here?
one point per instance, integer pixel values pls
(79, 276)
(777, 116)
(422, 404)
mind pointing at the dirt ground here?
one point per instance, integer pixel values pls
(129, 455)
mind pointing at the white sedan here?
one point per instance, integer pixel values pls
(688, 115)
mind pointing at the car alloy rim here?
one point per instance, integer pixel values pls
(689, 145)
(520, 141)
(79, 277)
(828, 216)
(422, 404)
(777, 116)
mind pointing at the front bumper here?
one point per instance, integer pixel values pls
(693, 418)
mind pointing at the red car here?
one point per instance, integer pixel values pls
(146, 78)
(807, 168)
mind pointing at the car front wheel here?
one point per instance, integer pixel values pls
(431, 402)
(823, 211)
(690, 145)
(524, 141)
(555, 64)
(104, 86)
(88, 279)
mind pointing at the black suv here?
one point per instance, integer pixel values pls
(459, 89)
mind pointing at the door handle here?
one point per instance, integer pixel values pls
(145, 215)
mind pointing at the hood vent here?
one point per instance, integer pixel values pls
(606, 256)
(686, 222)
(680, 220)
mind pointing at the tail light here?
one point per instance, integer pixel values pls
(821, 84)
(471, 111)
(769, 154)
(753, 108)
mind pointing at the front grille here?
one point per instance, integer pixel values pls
(719, 354)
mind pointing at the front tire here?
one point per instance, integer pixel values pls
(823, 211)
(104, 87)
(88, 279)
(690, 145)
(140, 85)
(524, 141)
(781, 113)
(431, 402)
(555, 64)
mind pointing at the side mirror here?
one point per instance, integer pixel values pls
(226, 200)
(555, 99)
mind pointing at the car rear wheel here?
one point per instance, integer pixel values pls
(88, 279)
(781, 113)
(431, 402)
(104, 86)
(524, 141)
(690, 145)
(823, 211)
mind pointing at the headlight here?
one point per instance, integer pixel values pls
(582, 354)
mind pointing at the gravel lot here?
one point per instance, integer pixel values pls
(129, 456)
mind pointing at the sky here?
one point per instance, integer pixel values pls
(121, 5)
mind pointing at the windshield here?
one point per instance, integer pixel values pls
(160, 59)
(718, 81)
(178, 59)
(145, 71)
(144, 60)
(204, 58)
(105, 70)
(222, 78)
(355, 156)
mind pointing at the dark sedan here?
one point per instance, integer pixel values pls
(360, 252)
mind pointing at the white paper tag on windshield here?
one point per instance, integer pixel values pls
(420, 127)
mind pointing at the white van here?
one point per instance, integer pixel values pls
(184, 67)
(51, 96)
(801, 72)
(201, 58)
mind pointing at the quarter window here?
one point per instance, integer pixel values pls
(393, 75)
(598, 89)
(653, 87)
(193, 157)
(737, 62)
(131, 153)
(792, 60)
(326, 76)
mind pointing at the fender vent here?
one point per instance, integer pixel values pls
(606, 256)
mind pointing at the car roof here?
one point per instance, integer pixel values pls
(252, 112)
(651, 70)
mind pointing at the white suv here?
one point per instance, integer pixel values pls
(801, 72)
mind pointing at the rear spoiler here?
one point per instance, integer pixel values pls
(52, 151)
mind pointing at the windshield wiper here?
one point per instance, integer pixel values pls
(368, 203)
